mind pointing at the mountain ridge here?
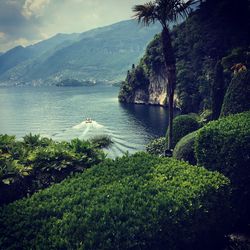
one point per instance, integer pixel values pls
(103, 53)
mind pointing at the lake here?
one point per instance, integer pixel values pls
(60, 112)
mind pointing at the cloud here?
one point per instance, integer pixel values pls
(26, 21)
(34, 8)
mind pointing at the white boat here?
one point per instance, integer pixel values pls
(88, 120)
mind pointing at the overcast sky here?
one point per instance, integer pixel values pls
(23, 22)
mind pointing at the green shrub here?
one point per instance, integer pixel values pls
(6, 143)
(205, 117)
(138, 202)
(35, 163)
(184, 149)
(183, 125)
(102, 141)
(224, 145)
(157, 146)
(237, 98)
(31, 140)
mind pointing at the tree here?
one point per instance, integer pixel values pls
(165, 12)
(218, 91)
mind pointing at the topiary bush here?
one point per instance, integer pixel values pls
(134, 202)
(157, 146)
(184, 149)
(237, 98)
(224, 145)
(183, 125)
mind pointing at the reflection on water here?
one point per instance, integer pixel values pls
(153, 118)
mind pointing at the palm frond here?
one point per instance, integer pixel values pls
(170, 10)
(145, 13)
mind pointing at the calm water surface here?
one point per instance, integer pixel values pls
(60, 112)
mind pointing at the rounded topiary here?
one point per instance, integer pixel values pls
(183, 125)
(184, 149)
(237, 98)
(157, 146)
(224, 145)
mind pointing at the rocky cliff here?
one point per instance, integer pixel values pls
(154, 94)
(205, 38)
(146, 83)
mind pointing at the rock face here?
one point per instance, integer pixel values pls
(146, 83)
(157, 90)
(153, 92)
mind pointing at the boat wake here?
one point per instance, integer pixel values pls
(86, 130)
(86, 124)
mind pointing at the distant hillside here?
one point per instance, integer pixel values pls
(101, 54)
(19, 54)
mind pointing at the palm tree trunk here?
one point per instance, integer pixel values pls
(169, 58)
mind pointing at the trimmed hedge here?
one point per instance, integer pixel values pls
(183, 125)
(157, 146)
(184, 149)
(224, 145)
(137, 202)
(237, 98)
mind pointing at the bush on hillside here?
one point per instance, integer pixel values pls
(184, 149)
(224, 145)
(237, 98)
(35, 163)
(157, 146)
(183, 125)
(137, 202)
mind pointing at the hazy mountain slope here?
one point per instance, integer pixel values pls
(19, 54)
(13, 57)
(99, 54)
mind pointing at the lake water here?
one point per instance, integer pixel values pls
(60, 112)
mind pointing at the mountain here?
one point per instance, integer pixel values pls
(100, 54)
(20, 54)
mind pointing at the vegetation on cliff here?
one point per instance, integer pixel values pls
(210, 34)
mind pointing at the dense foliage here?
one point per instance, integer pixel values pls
(183, 125)
(237, 98)
(101, 141)
(224, 145)
(201, 42)
(35, 163)
(157, 146)
(184, 149)
(137, 202)
(136, 79)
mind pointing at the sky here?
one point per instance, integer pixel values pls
(25, 22)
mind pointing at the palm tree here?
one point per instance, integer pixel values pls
(165, 12)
